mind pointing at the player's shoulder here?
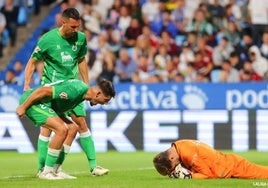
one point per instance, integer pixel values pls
(50, 33)
(81, 35)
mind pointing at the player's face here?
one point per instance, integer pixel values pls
(71, 27)
(100, 99)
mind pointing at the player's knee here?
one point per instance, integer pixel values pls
(63, 131)
(73, 129)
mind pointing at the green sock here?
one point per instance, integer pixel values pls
(63, 152)
(52, 156)
(89, 149)
(42, 146)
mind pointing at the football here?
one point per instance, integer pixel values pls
(181, 172)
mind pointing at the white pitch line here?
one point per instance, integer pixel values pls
(76, 173)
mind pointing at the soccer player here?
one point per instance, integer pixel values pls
(47, 105)
(205, 162)
(63, 51)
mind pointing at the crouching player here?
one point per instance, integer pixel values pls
(197, 160)
(47, 105)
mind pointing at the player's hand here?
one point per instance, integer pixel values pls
(181, 173)
(25, 88)
(20, 111)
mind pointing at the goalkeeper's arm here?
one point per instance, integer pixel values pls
(199, 176)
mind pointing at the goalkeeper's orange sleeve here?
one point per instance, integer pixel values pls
(199, 176)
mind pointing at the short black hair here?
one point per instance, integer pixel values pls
(71, 13)
(107, 87)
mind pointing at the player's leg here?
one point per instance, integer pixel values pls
(42, 146)
(247, 170)
(72, 131)
(86, 140)
(58, 126)
(42, 114)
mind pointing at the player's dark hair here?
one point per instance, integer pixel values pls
(162, 163)
(107, 87)
(71, 13)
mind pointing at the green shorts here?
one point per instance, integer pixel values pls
(79, 110)
(39, 113)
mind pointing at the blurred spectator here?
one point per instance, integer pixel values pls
(259, 63)
(171, 69)
(135, 9)
(2, 28)
(178, 16)
(232, 74)
(203, 56)
(108, 66)
(191, 73)
(191, 39)
(169, 42)
(264, 45)
(150, 11)
(164, 23)
(114, 13)
(221, 52)
(178, 77)
(160, 60)
(125, 66)
(258, 11)
(216, 12)
(232, 33)
(18, 68)
(152, 37)
(199, 23)
(113, 37)
(186, 56)
(143, 47)
(247, 74)
(10, 77)
(132, 32)
(11, 12)
(230, 17)
(91, 19)
(124, 19)
(235, 60)
(202, 63)
(145, 72)
(102, 8)
(236, 10)
(244, 45)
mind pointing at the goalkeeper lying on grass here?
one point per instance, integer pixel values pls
(193, 159)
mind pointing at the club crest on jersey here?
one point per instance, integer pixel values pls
(74, 48)
(63, 95)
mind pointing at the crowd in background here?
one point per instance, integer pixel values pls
(152, 41)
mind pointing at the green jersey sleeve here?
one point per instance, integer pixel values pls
(68, 94)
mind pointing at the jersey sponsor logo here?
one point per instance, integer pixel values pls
(63, 95)
(66, 57)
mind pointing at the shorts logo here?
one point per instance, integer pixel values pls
(63, 95)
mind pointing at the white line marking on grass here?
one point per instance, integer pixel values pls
(78, 172)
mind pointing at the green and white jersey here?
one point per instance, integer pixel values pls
(60, 55)
(66, 95)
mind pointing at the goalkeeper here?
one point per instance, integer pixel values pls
(47, 105)
(197, 160)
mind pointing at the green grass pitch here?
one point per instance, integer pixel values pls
(127, 170)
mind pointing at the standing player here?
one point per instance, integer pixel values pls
(204, 162)
(63, 51)
(46, 106)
